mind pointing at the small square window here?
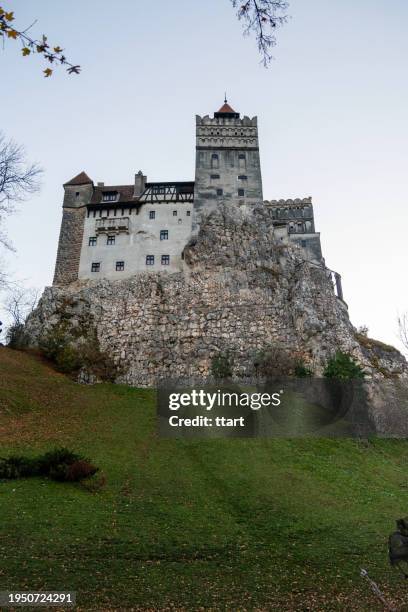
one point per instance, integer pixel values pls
(152, 214)
(188, 213)
(96, 266)
(165, 260)
(241, 156)
(219, 192)
(120, 266)
(164, 235)
(242, 177)
(303, 243)
(92, 241)
(110, 240)
(149, 260)
(241, 193)
(215, 176)
(174, 213)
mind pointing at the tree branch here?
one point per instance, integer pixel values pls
(262, 17)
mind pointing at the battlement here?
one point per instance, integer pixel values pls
(289, 202)
(226, 120)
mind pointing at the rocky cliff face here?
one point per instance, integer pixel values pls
(242, 291)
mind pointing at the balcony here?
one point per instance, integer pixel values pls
(114, 225)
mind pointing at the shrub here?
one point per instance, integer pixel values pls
(79, 470)
(343, 367)
(302, 371)
(221, 366)
(53, 342)
(75, 349)
(59, 456)
(59, 464)
(16, 337)
(18, 467)
(274, 361)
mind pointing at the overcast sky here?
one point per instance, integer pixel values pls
(332, 114)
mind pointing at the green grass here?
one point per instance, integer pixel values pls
(190, 524)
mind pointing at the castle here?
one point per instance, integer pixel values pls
(157, 281)
(116, 231)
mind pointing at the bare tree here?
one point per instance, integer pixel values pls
(403, 329)
(18, 179)
(19, 304)
(262, 17)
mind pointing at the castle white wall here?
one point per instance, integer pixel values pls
(142, 239)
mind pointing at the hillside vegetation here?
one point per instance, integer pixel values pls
(190, 524)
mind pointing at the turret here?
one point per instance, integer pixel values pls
(77, 194)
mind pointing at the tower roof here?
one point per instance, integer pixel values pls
(80, 179)
(225, 108)
(226, 112)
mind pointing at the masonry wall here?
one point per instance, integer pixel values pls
(69, 246)
(76, 197)
(141, 239)
(227, 158)
(242, 291)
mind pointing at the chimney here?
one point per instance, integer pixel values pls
(140, 182)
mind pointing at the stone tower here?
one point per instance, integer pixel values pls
(227, 162)
(77, 194)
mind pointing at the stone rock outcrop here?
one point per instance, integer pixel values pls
(242, 291)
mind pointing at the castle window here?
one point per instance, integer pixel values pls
(92, 241)
(110, 240)
(242, 161)
(215, 162)
(164, 234)
(219, 192)
(242, 177)
(241, 193)
(149, 260)
(77, 194)
(95, 267)
(188, 213)
(174, 213)
(158, 189)
(109, 196)
(303, 242)
(165, 260)
(152, 214)
(120, 266)
(215, 176)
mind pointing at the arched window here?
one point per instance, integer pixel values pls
(215, 162)
(242, 161)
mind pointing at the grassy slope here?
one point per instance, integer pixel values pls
(221, 524)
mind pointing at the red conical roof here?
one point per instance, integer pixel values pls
(225, 108)
(80, 179)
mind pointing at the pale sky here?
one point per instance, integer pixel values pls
(332, 115)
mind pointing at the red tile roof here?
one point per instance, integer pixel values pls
(225, 108)
(80, 179)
